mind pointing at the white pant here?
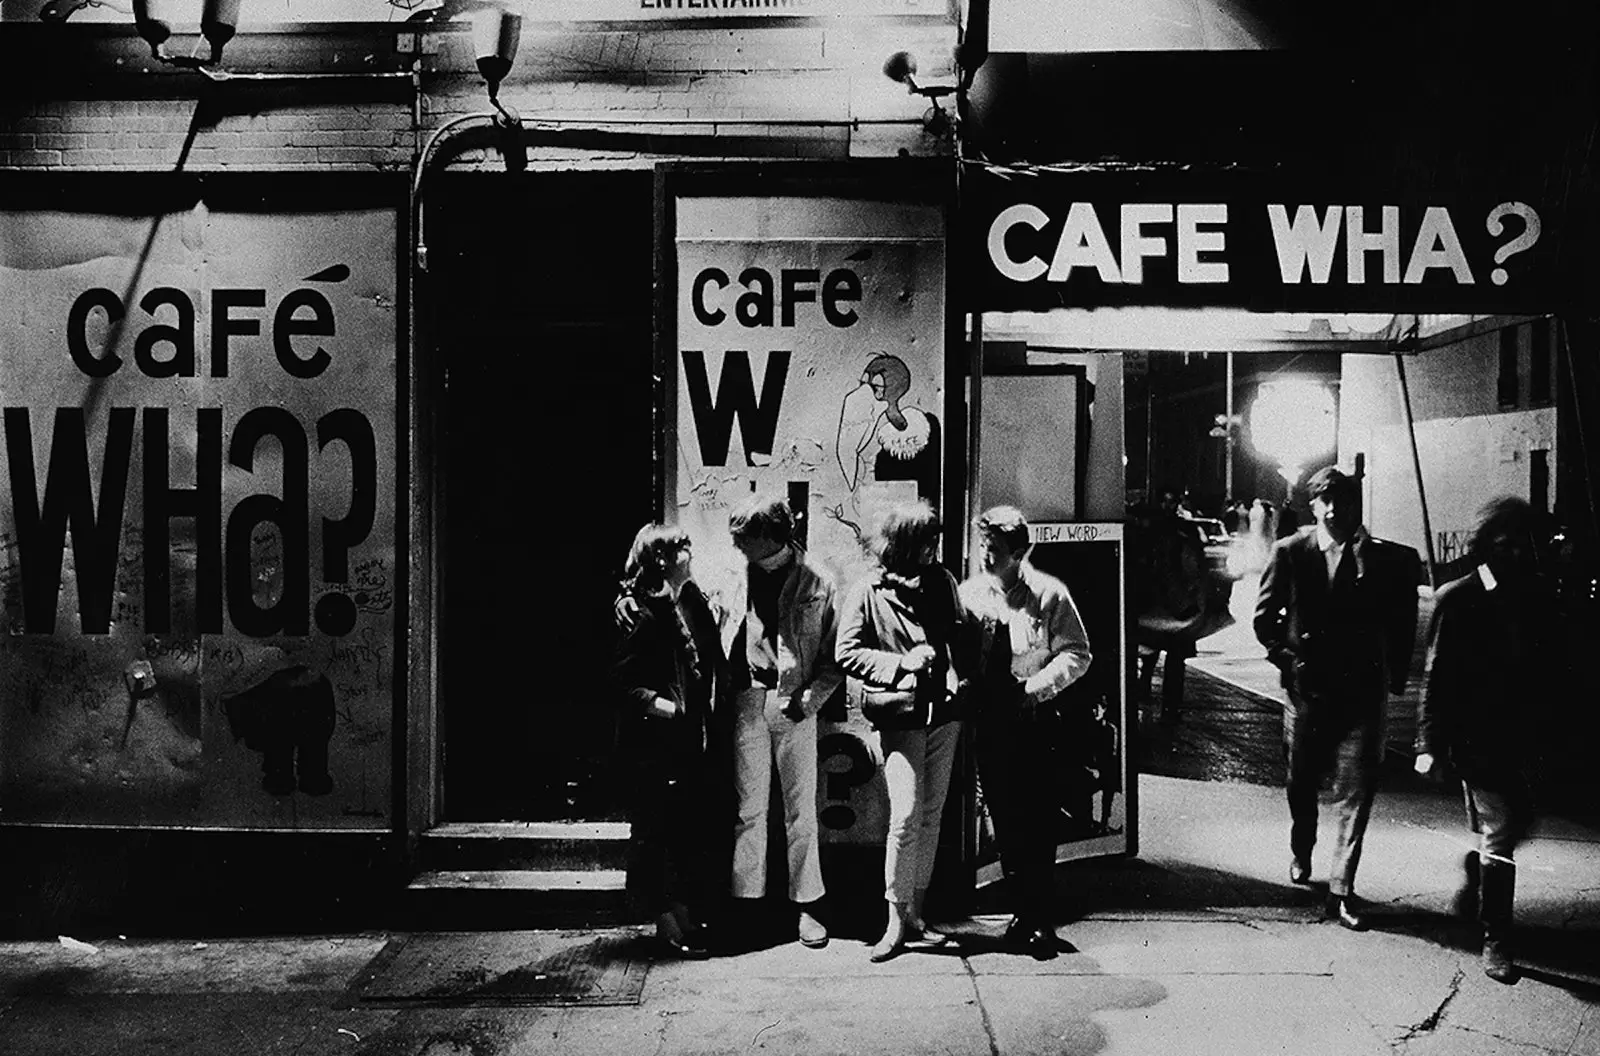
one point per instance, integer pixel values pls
(916, 767)
(761, 734)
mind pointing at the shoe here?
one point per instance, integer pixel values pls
(893, 942)
(1041, 943)
(1497, 963)
(683, 948)
(1342, 908)
(811, 932)
(1299, 871)
(892, 945)
(674, 941)
(919, 934)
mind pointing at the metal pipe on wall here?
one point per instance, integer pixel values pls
(974, 439)
(1416, 466)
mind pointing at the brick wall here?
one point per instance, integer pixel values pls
(604, 97)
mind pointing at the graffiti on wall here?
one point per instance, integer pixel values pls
(196, 554)
(811, 365)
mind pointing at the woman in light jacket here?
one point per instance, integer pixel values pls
(902, 634)
(667, 664)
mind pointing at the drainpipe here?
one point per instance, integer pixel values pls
(1416, 467)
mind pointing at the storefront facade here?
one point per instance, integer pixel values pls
(333, 399)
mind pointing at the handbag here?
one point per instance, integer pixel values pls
(894, 707)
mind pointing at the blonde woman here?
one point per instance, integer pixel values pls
(902, 635)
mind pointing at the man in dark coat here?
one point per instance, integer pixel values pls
(1493, 663)
(1337, 613)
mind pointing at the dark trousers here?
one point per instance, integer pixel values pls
(672, 856)
(1324, 735)
(1016, 765)
(1500, 817)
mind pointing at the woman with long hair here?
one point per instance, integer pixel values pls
(902, 634)
(666, 666)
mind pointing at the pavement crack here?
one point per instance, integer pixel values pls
(1430, 1024)
(763, 1030)
(983, 1011)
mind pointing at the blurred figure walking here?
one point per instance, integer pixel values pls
(1493, 666)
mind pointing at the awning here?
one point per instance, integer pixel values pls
(1085, 236)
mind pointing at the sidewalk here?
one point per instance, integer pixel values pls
(1199, 946)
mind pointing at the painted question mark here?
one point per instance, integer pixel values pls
(1496, 225)
(838, 816)
(335, 611)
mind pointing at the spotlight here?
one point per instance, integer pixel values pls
(495, 35)
(901, 68)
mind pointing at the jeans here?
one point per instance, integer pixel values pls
(916, 768)
(1500, 818)
(762, 734)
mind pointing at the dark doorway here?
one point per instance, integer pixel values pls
(541, 293)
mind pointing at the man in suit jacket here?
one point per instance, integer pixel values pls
(1337, 612)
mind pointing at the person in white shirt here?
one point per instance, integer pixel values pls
(1031, 647)
(782, 671)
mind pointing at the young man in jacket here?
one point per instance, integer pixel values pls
(783, 672)
(1031, 647)
(1337, 613)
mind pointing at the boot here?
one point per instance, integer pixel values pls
(1465, 903)
(1498, 893)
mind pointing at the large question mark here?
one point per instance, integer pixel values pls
(1496, 225)
(335, 611)
(839, 816)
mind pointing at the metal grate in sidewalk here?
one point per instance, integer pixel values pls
(555, 968)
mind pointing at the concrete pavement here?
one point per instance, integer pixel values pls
(1199, 946)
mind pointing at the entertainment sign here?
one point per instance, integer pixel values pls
(722, 10)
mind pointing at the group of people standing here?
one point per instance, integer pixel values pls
(747, 684)
(1337, 613)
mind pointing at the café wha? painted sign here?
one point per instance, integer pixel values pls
(198, 561)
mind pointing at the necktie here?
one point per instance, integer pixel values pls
(1344, 576)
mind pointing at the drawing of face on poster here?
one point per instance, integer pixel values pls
(810, 365)
(881, 439)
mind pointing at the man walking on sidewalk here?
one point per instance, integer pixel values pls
(783, 672)
(1493, 666)
(1337, 613)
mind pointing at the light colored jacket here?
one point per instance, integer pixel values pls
(808, 627)
(1049, 647)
